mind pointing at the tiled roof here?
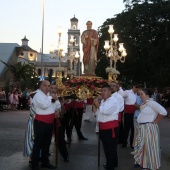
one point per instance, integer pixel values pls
(27, 48)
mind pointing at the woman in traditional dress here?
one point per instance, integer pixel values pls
(147, 144)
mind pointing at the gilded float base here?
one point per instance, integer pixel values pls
(85, 86)
(112, 77)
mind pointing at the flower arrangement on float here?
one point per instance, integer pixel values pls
(91, 83)
(84, 88)
(112, 70)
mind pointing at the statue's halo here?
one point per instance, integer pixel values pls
(93, 20)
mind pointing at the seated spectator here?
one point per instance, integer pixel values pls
(3, 100)
(20, 96)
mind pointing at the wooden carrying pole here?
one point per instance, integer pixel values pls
(98, 150)
(56, 142)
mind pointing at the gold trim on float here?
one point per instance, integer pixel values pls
(83, 92)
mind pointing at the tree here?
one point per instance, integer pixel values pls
(20, 73)
(145, 31)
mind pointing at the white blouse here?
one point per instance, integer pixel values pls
(150, 111)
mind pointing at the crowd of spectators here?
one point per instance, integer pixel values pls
(15, 99)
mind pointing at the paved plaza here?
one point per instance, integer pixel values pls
(83, 154)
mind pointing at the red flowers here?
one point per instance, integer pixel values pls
(91, 83)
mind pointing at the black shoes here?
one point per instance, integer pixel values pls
(137, 166)
(35, 168)
(132, 146)
(66, 160)
(66, 142)
(83, 138)
(49, 166)
(105, 166)
(124, 145)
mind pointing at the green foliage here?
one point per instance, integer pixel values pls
(21, 74)
(145, 31)
(102, 63)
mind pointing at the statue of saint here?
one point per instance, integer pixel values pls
(90, 41)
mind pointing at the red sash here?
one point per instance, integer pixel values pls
(79, 104)
(109, 125)
(67, 106)
(89, 101)
(129, 108)
(45, 118)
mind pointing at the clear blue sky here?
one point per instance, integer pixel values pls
(24, 17)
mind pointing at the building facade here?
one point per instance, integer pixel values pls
(12, 53)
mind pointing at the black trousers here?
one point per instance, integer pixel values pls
(76, 120)
(110, 147)
(128, 125)
(42, 141)
(66, 123)
(61, 142)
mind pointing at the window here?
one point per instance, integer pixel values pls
(74, 27)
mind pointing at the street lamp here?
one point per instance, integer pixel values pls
(112, 51)
(42, 38)
(72, 56)
(59, 53)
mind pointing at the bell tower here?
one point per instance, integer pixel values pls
(74, 31)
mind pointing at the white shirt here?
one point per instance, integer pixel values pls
(120, 100)
(150, 111)
(120, 90)
(108, 110)
(129, 97)
(43, 105)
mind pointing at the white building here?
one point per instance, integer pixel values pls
(12, 53)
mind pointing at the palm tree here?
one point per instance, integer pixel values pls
(19, 72)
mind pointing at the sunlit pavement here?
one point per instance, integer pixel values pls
(83, 154)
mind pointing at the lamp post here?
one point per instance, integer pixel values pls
(42, 38)
(59, 53)
(72, 56)
(112, 51)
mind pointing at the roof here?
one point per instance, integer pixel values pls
(27, 48)
(53, 58)
(25, 39)
(74, 19)
(50, 64)
(6, 50)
